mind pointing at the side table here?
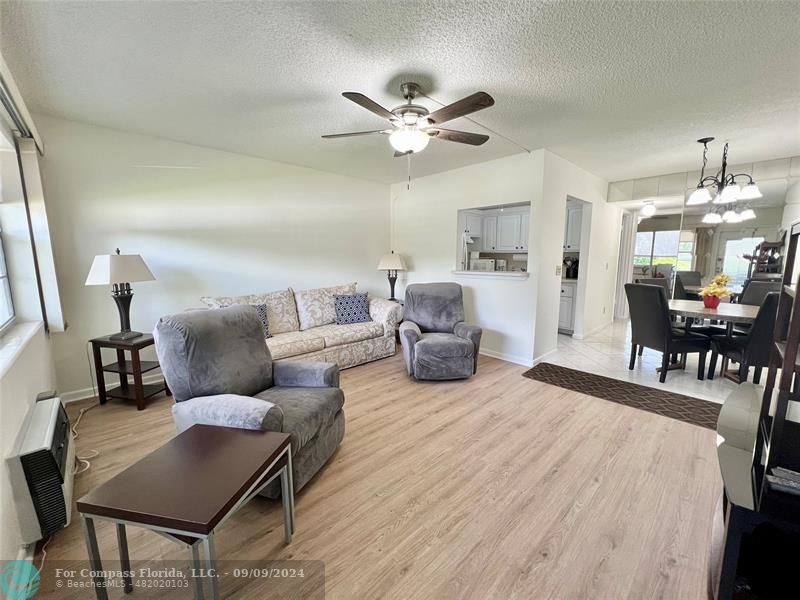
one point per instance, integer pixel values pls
(134, 367)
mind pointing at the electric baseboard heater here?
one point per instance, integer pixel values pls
(42, 468)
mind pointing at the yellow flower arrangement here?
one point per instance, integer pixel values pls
(718, 287)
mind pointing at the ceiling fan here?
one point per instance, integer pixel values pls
(413, 126)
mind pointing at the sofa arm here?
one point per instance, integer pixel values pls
(228, 410)
(295, 373)
(387, 312)
(473, 334)
(409, 335)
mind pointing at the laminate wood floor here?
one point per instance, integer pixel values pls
(495, 487)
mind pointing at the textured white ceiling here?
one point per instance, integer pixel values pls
(621, 89)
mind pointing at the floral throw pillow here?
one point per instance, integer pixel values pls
(352, 308)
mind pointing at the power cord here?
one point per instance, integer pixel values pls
(82, 463)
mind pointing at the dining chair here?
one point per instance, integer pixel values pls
(755, 291)
(662, 281)
(690, 277)
(651, 328)
(680, 291)
(751, 349)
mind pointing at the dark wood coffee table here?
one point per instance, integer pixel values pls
(186, 489)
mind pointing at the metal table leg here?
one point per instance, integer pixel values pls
(124, 558)
(286, 493)
(211, 566)
(197, 566)
(291, 486)
(94, 558)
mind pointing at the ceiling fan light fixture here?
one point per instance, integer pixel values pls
(409, 139)
(700, 196)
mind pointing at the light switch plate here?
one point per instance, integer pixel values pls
(558, 270)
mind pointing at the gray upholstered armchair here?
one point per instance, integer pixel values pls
(437, 344)
(221, 373)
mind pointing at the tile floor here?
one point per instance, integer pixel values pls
(607, 353)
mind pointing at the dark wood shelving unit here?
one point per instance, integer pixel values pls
(777, 442)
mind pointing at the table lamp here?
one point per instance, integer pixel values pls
(391, 263)
(118, 270)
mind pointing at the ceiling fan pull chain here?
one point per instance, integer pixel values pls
(408, 185)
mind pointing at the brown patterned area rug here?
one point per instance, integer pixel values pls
(661, 402)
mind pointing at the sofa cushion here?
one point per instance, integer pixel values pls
(293, 343)
(351, 308)
(306, 411)
(281, 310)
(337, 335)
(444, 345)
(316, 307)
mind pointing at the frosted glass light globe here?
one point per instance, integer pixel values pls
(700, 196)
(409, 139)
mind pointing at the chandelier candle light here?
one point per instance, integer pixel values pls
(727, 191)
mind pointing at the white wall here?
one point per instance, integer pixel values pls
(598, 266)
(226, 224)
(519, 316)
(425, 231)
(26, 369)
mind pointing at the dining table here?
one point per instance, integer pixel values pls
(728, 312)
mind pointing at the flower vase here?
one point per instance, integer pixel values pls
(711, 301)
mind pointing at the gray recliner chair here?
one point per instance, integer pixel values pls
(221, 373)
(436, 342)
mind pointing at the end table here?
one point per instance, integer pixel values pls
(134, 367)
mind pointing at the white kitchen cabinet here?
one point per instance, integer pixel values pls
(508, 226)
(524, 228)
(473, 223)
(489, 237)
(572, 229)
(566, 307)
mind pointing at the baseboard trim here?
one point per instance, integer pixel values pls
(517, 360)
(543, 357)
(583, 336)
(76, 395)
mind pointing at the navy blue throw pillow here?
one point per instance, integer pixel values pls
(352, 308)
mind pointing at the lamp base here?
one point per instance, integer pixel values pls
(124, 336)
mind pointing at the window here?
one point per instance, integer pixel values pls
(664, 248)
(6, 305)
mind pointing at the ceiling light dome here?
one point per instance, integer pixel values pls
(409, 139)
(750, 192)
(648, 210)
(712, 218)
(730, 193)
(700, 196)
(747, 214)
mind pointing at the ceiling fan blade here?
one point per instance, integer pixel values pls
(399, 154)
(332, 136)
(462, 137)
(460, 108)
(370, 105)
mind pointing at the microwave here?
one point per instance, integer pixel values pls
(482, 264)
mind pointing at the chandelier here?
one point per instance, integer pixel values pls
(728, 192)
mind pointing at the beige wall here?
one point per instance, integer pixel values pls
(224, 224)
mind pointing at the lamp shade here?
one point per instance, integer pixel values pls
(108, 269)
(391, 262)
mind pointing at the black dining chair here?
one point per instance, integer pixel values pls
(662, 281)
(751, 349)
(690, 277)
(753, 293)
(680, 291)
(651, 328)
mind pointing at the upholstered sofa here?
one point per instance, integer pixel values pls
(221, 373)
(302, 325)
